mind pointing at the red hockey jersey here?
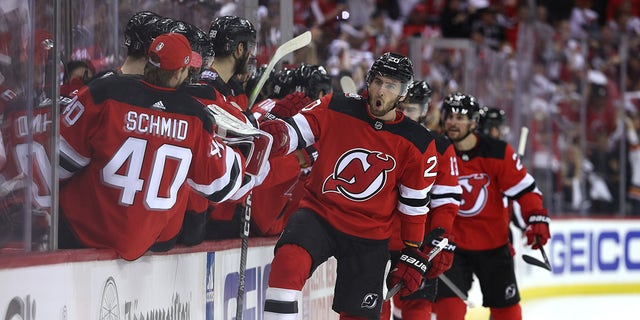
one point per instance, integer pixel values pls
(366, 168)
(129, 150)
(489, 172)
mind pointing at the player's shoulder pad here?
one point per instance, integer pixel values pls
(349, 103)
(490, 147)
(442, 143)
(418, 135)
(200, 91)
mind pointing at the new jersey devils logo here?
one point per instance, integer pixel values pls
(474, 193)
(359, 174)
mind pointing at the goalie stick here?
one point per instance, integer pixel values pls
(522, 145)
(432, 254)
(283, 50)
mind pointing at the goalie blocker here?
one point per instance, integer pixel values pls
(253, 143)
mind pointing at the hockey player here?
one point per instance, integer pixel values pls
(489, 169)
(163, 139)
(492, 122)
(233, 41)
(140, 31)
(375, 165)
(445, 200)
(279, 196)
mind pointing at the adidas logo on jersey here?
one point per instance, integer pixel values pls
(158, 106)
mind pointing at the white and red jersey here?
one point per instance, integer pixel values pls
(488, 173)
(137, 149)
(367, 168)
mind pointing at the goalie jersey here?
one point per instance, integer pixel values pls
(129, 152)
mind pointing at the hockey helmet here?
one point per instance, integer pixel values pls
(419, 92)
(392, 65)
(312, 79)
(140, 32)
(461, 103)
(227, 32)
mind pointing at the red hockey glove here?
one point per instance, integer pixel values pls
(538, 229)
(278, 130)
(443, 260)
(409, 269)
(290, 105)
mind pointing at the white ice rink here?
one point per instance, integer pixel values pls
(588, 307)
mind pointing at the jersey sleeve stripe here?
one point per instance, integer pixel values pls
(527, 184)
(413, 201)
(222, 188)
(439, 189)
(412, 210)
(75, 161)
(438, 202)
(305, 129)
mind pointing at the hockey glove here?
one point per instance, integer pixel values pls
(409, 269)
(278, 130)
(538, 229)
(442, 261)
(290, 105)
(307, 156)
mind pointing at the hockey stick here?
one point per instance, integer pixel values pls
(522, 145)
(432, 254)
(284, 49)
(456, 290)
(347, 85)
(536, 262)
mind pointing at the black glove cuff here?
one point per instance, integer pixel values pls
(538, 218)
(413, 258)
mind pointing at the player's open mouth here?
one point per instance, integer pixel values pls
(378, 103)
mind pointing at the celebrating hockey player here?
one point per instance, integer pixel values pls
(375, 164)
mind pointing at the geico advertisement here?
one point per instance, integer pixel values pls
(587, 251)
(152, 287)
(222, 286)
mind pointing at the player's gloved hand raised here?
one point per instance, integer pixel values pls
(278, 130)
(290, 105)
(538, 228)
(443, 260)
(409, 269)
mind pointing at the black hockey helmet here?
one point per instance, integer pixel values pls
(392, 65)
(461, 103)
(228, 31)
(419, 92)
(492, 116)
(198, 39)
(140, 32)
(284, 82)
(312, 79)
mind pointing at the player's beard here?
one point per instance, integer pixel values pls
(242, 64)
(379, 109)
(458, 134)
